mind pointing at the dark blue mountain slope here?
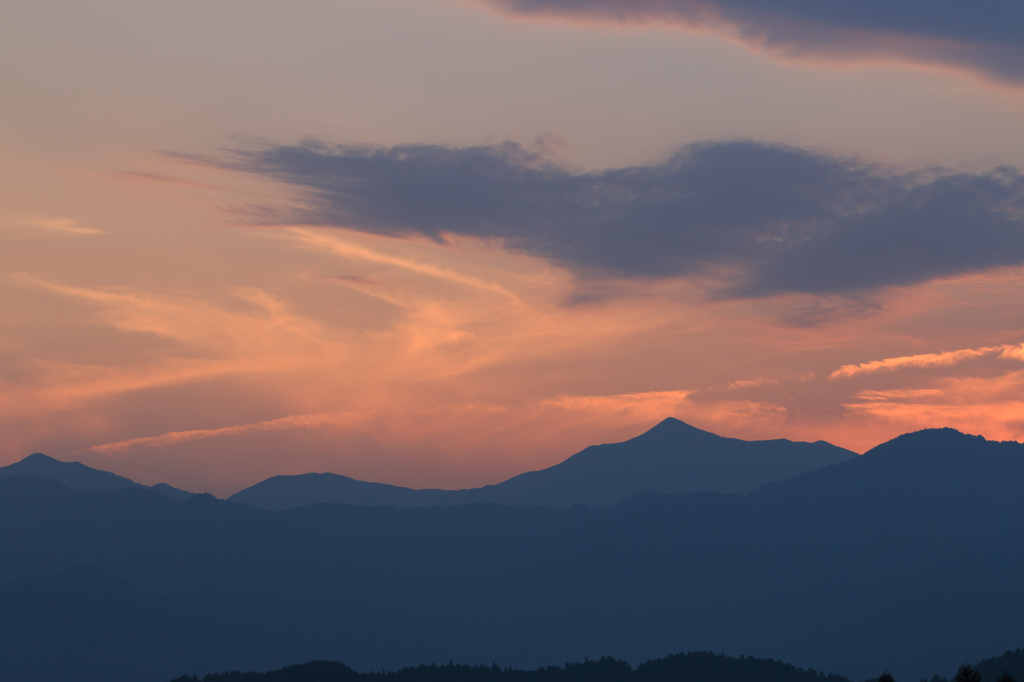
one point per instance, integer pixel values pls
(906, 558)
(77, 476)
(672, 458)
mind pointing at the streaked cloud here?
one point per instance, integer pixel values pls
(454, 365)
(325, 242)
(983, 37)
(989, 406)
(749, 219)
(68, 226)
(653, 403)
(751, 383)
(899, 394)
(742, 384)
(928, 360)
(301, 421)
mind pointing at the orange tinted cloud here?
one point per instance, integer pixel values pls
(465, 385)
(332, 244)
(945, 359)
(992, 407)
(299, 421)
(460, 349)
(68, 226)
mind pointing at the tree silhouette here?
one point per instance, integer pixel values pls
(967, 673)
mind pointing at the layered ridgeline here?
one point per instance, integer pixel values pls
(77, 476)
(906, 558)
(673, 458)
(701, 666)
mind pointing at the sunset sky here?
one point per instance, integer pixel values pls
(437, 243)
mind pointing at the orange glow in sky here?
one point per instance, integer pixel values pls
(152, 327)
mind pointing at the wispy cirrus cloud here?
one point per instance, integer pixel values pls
(991, 406)
(159, 375)
(752, 219)
(899, 394)
(325, 242)
(982, 37)
(300, 421)
(651, 403)
(945, 359)
(68, 226)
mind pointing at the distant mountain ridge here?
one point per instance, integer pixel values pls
(673, 458)
(906, 558)
(78, 476)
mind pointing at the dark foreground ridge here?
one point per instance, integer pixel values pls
(701, 666)
(1010, 664)
(692, 667)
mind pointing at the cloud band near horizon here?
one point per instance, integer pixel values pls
(983, 37)
(754, 219)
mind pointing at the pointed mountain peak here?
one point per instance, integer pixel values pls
(72, 474)
(38, 462)
(675, 428)
(40, 458)
(78, 476)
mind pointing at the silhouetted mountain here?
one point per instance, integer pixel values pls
(906, 558)
(1011, 663)
(692, 667)
(77, 476)
(74, 475)
(672, 458)
(705, 666)
(170, 492)
(301, 490)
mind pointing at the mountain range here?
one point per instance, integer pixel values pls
(77, 476)
(906, 558)
(673, 458)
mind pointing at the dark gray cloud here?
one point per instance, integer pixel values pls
(758, 219)
(986, 35)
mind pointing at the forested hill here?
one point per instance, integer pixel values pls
(1010, 663)
(692, 667)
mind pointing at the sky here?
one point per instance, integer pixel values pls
(437, 243)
